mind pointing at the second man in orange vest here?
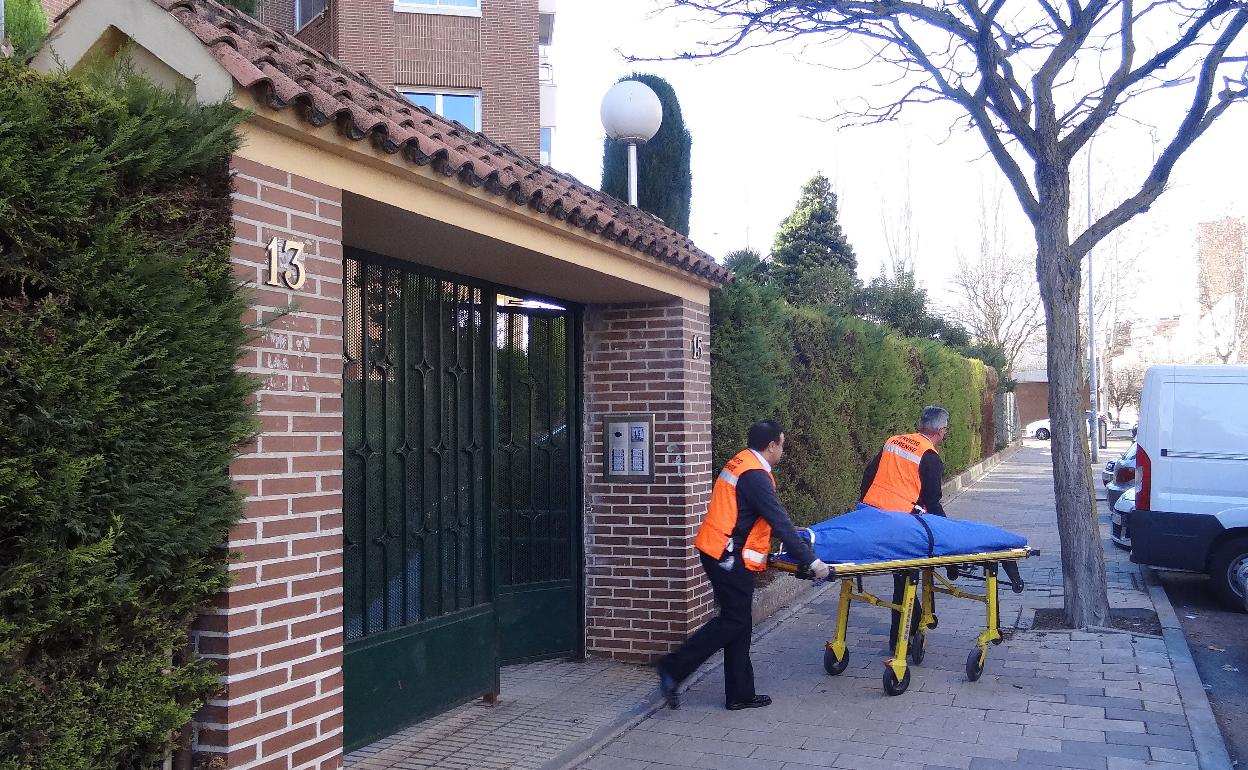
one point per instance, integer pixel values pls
(905, 477)
(733, 543)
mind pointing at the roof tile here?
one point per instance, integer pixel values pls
(283, 71)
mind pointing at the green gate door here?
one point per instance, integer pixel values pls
(536, 492)
(418, 614)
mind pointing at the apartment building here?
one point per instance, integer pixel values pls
(480, 62)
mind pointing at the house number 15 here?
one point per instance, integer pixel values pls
(292, 275)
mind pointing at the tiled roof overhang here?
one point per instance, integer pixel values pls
(284, 73)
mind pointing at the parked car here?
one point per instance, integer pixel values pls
(1123, 477)
(1191, 488)
(1040, 428)
(1243, 583)
(1120, 519)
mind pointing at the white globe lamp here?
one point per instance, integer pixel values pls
(631, 113)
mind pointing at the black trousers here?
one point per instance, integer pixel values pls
(729, 631)
(899, 586)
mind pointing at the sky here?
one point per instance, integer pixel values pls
(761, 127)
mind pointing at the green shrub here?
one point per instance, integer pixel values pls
(25, 25)
(119, 332)
(840, 385)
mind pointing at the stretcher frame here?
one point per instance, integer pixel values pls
(920, 576)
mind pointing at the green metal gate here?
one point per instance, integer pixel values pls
(461, 497)
(416, 500)
(536, 494)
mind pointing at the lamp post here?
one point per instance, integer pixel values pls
(631, 113)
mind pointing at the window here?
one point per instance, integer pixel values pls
(547, 135)
(453, 105)
(446, 7)
(307, 10)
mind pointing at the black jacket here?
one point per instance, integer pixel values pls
(931, 472)
(756, 496)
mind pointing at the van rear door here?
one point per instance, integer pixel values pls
(1205, 455)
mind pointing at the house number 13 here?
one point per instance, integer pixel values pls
(293, 274)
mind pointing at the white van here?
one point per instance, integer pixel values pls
(1191, 488)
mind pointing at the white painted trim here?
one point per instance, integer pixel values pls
(400, 6)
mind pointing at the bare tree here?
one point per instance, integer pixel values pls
(998, 303)
(1036, 81)
(1123, 386)
(900, 235)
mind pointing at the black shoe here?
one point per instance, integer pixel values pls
(953, 573)
(667, 686)
(757, 702)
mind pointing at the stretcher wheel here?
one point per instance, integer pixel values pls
(832, 664)
(975, 664)
(891, 685)
(918, 648)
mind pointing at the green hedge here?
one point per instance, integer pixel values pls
(840, 386)
(119, 331)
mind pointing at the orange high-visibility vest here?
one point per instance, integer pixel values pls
(721, 517)
(896, 485)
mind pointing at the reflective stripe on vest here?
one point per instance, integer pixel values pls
(715, 534)
(897, 485)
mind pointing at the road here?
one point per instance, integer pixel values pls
(1217, 636)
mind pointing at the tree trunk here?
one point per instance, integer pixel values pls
(1086, 600)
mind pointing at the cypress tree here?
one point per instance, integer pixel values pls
(120, 326)
(812, 261)
(664, 180)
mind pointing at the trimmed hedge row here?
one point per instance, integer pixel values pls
(119, 332)
(840, 386)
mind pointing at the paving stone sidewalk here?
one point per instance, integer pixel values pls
(1047, 700)
(544, 709)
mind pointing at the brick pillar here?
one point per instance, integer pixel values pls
(276, 634)
(645, 590)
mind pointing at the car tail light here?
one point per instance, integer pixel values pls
(1144, 480)
(1123, 474)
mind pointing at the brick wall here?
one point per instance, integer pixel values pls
(438, 51)
(644, 588)
(510, 108)
(278, 15)
(364, 37)
(54, 8)
(276, 635)
(319, 34)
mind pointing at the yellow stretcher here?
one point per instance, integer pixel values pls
(920, 575)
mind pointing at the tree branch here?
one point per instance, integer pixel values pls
(1197, 120)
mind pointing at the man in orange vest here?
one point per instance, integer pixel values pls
(733, 543)
(905, 477)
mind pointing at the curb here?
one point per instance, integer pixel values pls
(1211, 751)
(797, 601)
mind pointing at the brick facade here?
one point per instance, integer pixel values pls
(54, 8)
(644, 588)
(276, 635)
(510, 108)
(495, 52)
(438, 51)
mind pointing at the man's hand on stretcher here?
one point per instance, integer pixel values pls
(819, 569)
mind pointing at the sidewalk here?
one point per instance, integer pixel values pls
(1047, 700)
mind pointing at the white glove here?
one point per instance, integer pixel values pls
(820, 569)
